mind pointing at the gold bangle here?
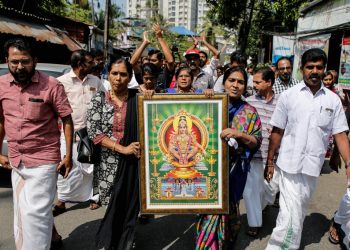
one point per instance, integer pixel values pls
(115, 142)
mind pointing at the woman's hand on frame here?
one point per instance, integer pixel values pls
(133, 148)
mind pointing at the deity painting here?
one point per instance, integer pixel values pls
(182, 163)
(183, 140)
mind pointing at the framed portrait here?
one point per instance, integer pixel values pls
(184, 163)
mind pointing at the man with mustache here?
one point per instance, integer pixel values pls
(30, 104)
(201, 80)
(254, 196)
(284, 80)
(80, 85)
(304, 118)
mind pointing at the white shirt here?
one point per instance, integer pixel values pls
(218, 86)
(79, 95)
(307, 120)
(211, 67)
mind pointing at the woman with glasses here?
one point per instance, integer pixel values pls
(184, 79)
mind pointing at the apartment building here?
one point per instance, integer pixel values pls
(187, 13)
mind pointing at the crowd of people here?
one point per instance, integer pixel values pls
(282, 129)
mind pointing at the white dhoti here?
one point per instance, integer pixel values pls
(342, 217)
(77, 187)
(295, 193)
(34, 191)
(253, 192)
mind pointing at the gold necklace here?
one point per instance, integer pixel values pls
(122, 98)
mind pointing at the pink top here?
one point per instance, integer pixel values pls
(31, 115)
(119, 115)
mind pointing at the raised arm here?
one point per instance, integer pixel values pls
(137, 54)
(212, 49)
(165, 48)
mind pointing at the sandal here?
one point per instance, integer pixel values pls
(94, 205)
(253, 231)
(58, 210)
(333, 234)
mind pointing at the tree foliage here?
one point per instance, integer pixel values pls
(74, 11)
(249, 18)
(32, 6)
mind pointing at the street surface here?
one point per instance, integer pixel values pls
(79, 224)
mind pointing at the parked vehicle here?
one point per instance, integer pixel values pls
(51, 69)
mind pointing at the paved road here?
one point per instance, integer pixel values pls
(78, 225)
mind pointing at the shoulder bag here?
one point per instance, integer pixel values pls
(88, 152)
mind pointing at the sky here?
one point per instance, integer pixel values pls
(120, 3)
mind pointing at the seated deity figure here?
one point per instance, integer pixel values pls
(183, 145)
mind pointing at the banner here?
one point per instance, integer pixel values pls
(304, 44)
(344, 67)
(283, 46)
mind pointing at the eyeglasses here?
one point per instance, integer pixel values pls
(24, 62)
(284, 68)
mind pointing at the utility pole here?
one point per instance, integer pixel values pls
(106, 29)
(92, 11)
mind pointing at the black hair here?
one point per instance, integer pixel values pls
(266, 73)
(327, 73)
(121, 61)
(96, 52)
(150, 68)
(238, 57)
(20, 44)
(184, 68)
(313, 55)
(229, 71)
(159, 54)
(283, 58)
(251, 66)
(78, 57)
(205, 53)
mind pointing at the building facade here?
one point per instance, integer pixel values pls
(187, 13)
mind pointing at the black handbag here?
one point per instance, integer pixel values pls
(88, 152)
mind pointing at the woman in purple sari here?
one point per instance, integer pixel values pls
(244, 133)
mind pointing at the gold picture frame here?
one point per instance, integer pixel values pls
(184, 163)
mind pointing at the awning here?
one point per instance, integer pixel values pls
(38, 31)
(182, 31)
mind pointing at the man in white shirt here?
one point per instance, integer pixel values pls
(304, 118)
(79, 86)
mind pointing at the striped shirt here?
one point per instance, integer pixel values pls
(265, 111)
(279, 86)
